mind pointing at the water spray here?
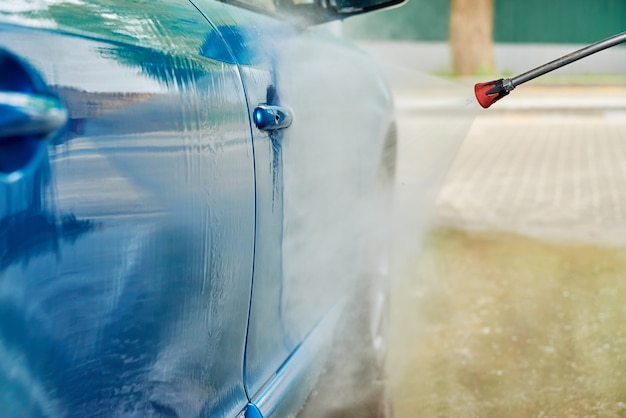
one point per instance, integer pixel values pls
(490, 92)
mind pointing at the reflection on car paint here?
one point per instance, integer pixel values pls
(160, 201)
(132, 266)
(319, 211)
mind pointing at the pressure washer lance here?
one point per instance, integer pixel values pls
(490, 92)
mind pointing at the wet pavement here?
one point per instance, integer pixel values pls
(512, 302)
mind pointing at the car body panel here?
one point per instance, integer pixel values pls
(285, 393)
(310, 177)
(125, 283)
(183, 262)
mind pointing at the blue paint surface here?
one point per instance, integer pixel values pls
(159, 254)
(253, 412)
(126, 253)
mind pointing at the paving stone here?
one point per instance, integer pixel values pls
(558, 175)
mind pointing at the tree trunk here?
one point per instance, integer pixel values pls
(471, 27)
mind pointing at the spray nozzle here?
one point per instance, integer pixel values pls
(490, 92)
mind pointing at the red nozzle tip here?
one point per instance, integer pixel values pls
(490, 92)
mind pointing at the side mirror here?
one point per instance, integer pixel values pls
(340, 9)
(344, 8)
(322, 11)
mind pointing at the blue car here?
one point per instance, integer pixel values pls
(193, 201)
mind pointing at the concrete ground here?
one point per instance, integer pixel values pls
(557, 170)
(509, 269)
(547, 161)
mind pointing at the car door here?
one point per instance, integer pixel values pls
(310, 178)
(126, 240)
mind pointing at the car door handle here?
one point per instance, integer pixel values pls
(271, 118)
(28, 115)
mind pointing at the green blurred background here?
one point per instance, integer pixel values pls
(515, 21)
(476, 38)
